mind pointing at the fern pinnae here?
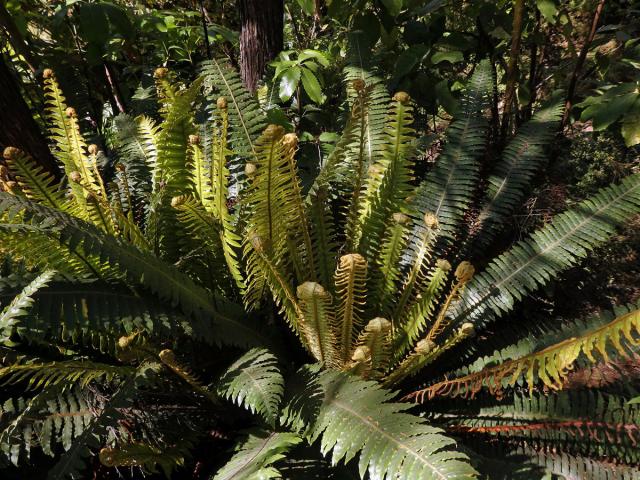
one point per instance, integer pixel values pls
(351, 292)
(549, 366)
(319, 322)
(386, 275)
(418, 269)
(375, 339)
(219, 192)
(33, 180)
(412, 325)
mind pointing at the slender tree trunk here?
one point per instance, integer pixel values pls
(571, 90)
(19, 129)
(261, 37)
(512, 67)
(533, 70)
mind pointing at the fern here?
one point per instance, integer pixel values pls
(355, 416)
(148, 458)
(350, 281)
(532, 262)
(21, 304)
(318, 322)
(255, 382)
(160, 278)
(448, 189)
(511, 175)
(549, 366)
(256, 455)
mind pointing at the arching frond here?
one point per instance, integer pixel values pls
(149, 458)
(448, 189)
(255, 382)
(549, 366)
(351, 292)
(512, 174)
(352, 416)
(532, 262)
(256, 454)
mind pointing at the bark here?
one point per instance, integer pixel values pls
(19, 129)
(512, 66)
(533, 70)
(261, 37)
(571, 90)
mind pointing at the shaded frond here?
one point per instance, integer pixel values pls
(147, 457)
(254, 381)
(532, 262)
(256, 455)
(352, 416)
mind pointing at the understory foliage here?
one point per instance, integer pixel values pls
(128, 292)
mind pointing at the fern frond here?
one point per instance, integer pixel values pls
(375, 342)
(34, 181)
(549, 366)
(74, 461)
(532, 262)
(318, 322)
(43, 375)
(255, 382)
(388, 181)
(352, 416)
(147, 457)
(22, 303)
(172, 172)
(351, 291)
(579, 423)
(448, 189)
(141, 268)
(519, 162)
(413, 324)
(216, 201)
(70, 147)
(244, 110)
(255, 456)
(50, 418)
(269, 208)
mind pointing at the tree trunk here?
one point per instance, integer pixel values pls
(19, 129)
(261, 37)
(580, 62)
(512, 67)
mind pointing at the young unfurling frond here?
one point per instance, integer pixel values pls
(351, 292)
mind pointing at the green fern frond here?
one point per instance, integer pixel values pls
(388, 181)
(244, 111)
(351, 292)
(532, 262)
(448, 189)
(269, 204)
(22, 303)
(511, 175)
(352, 416)
(34, 181)
(255, 456)
(50, 418)
(255, 382)
(141, 268)
(70, 146)
(318, 322)
(375, 342)
(549, 366)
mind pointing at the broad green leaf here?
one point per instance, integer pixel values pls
(288, 83)
(631, 126)
(319, 57)
(452, 57)
(548, 9)
(307, 6)
(312, 86)
(611, 111)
